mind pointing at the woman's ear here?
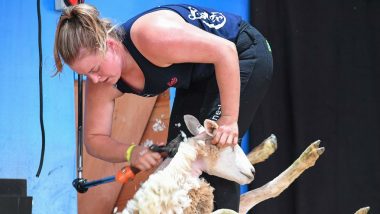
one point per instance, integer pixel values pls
(111, 44)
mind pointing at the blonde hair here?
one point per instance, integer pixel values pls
(80, 26)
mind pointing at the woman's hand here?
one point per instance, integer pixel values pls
(227, 133)
(144, 159)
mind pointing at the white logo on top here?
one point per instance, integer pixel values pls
(215, 20)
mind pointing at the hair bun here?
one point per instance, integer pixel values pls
(79, 10)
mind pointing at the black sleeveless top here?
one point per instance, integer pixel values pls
(180, 75)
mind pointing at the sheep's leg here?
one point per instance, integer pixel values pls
(363, 210)
(224, 211)
(280, 183)
(261, 152)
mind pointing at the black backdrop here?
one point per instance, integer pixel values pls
(326, 86)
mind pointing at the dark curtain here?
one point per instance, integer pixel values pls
(326, 86)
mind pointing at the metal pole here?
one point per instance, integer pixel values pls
(80, 127)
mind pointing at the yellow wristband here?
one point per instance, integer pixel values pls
(128, 153)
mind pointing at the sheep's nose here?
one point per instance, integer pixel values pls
(250, 175)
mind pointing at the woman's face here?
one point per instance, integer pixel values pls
(99, 68)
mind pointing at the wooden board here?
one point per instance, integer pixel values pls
(133, 120)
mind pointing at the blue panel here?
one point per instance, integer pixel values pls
(245, 147)
(120, 11)
(20, 134)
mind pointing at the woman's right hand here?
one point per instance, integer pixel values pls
(143, 158)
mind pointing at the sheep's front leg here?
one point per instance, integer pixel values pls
(280, 183)
(261, 152)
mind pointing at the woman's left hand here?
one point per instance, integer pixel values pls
(227, 133)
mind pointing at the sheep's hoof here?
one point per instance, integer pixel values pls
(363, 210)
(224, 211)
(312, 153)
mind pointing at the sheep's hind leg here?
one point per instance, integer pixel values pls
(261, 152)
(363, 210)
(280, 183)
(224, 211)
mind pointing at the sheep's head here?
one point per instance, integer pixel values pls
(229, 162)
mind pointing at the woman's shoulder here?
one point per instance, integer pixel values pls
(156, 20)
(155, 31)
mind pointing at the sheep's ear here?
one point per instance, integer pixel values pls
(193, 124)
(210, 126)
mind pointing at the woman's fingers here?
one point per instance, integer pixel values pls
(144, 159)
(151, 160)
(230, 140)
(225, 136)
(216, 138)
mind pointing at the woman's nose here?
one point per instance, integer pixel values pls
(101, 79)
(94, 78)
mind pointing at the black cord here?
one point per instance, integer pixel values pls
(41, 91)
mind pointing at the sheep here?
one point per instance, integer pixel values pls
(178, 189)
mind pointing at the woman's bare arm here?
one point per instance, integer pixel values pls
(99, 106)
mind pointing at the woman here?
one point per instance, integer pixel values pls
(219, 64)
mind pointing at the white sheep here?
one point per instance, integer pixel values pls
(178, 189)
